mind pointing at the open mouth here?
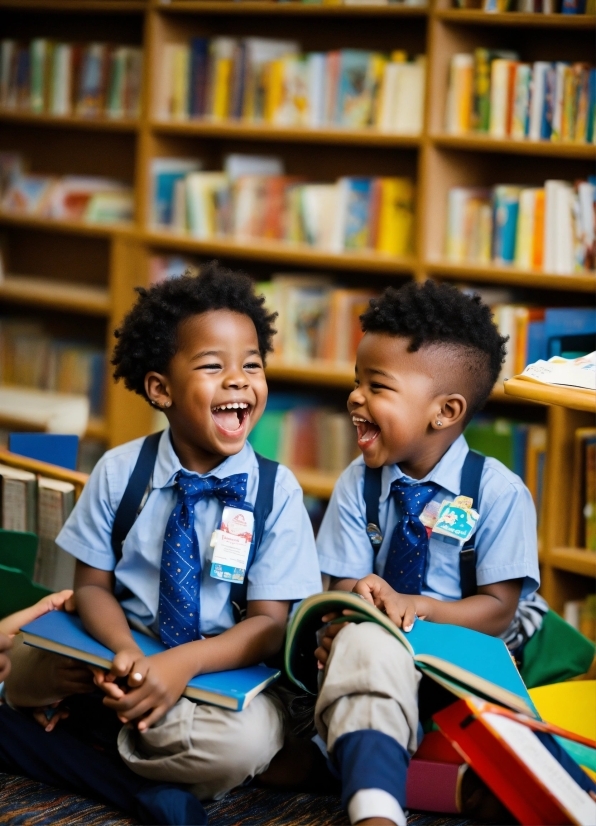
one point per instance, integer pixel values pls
(231, 417)
(367, 431)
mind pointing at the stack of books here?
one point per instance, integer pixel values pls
(253, 198)
(56, 78)
(549, 228)
(531, 6)
(582, 524)
(261, 80)
(492, 92)
(68, 197)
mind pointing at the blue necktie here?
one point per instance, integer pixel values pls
(406, 561)
(180, 576)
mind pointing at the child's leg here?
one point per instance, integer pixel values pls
(367, 713)
(211, 748)
(59, 758)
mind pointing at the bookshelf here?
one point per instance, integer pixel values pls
(44, 256)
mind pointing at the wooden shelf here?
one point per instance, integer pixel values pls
(484, 143)
(275, 9)
(279, 252)
(574, 560)
(44, 292)
(514, 19)
(270, 132)
(571, 397)
(77, 6)
(513, 275)
(316, 482)
(69, 121)
(314, 372)
(56, 225)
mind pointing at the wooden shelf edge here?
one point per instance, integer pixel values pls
(481, 18)
(22, 289)
(271, 132)
(316, 482)
(549, 394)
(574, 560)
(482, 143)
(283, 253)
(512, 275)
(107, 6)
(228, 7)
(73, 227)
(69, 121)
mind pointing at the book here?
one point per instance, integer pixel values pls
(17, 591)
(18, 490)
(465, 661)
(54, 567)
(579, 373)
(435, 786)
(583, 498)
(18, 549)
(64, 634)
(54, 448)
(506, 753)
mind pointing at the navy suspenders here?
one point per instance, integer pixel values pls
(470, 486)
(137, 488)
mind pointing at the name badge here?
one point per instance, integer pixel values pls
(456, 521)
(231, 545)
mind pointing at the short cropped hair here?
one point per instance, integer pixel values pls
(441, 315)
(148, 337)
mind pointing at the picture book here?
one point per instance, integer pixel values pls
(64, 634)
(465, 661)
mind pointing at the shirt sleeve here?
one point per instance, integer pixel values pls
(506, 543)
(342, 543)
(285, 565)
(86, 534)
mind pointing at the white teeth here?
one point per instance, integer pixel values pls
(358, 419)
(232, 406)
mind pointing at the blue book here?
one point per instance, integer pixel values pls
(546, 126)
(591, 105)
(506, 210)
(354, 99)
(64, 634)
(55, 448)
(464, 661)
(536, 345)
(197, 88)
(569, 328)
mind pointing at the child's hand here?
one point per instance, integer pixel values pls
(124, 664)
(402, 609)
(49, 716)
(325, 638)
(63, 599)
(5, 644)
(163, 684)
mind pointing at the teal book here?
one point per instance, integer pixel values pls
(17, 591)
(64, 634)
(464, 661)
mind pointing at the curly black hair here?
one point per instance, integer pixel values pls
(148, 336)
(440, 314)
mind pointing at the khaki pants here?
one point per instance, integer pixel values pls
(370, 682)
(210, 748)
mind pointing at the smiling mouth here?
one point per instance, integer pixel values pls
(367, 431)
(231, 417)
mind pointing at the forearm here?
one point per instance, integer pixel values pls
(482, 612)
(103, 617)
(339, 584)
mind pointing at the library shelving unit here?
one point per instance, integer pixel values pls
(85, 274)
(567, 572)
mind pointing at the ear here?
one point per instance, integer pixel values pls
(451, 411)
(156, 388)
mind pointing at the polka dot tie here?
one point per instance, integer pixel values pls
(406, 562)
(180, 576)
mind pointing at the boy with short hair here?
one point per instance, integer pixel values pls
(427, 363)
(195, 348)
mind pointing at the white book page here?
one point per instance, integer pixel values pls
(549, 773)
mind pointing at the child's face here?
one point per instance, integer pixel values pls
(394, 404)
(215, 384)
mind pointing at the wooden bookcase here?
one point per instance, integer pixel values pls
(84, 275)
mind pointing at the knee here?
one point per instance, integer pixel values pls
(256, 736)
(366, 643)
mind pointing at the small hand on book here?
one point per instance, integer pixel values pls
(402, 609)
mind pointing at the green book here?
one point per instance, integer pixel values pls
(464, 661)
(17, 591)
(18, 550)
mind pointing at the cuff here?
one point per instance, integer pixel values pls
(375, 803)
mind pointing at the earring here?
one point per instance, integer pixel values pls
(439, 424)
(167, 404)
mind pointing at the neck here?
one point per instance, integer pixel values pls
(419, 466)
(192, 457)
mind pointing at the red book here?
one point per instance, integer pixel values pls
(434, 786)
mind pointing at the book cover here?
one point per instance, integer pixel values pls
(505, 210)
(54, 568)
(19, 498)
(164, 174)
(354, 100)
(18, 591)
(396, 216)
(64, 634)
(18, 549)
(356, 212)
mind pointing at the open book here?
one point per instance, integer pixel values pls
(64, 634)
(579, 373)
(463, 661)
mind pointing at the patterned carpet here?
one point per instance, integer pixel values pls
(24, 802)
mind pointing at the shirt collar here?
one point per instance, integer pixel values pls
(167, 463)
(446, 473)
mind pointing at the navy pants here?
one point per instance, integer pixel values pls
(81, 755)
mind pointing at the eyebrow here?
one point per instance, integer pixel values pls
(220, 353)
(375, 371)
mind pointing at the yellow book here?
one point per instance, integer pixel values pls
(221, 88)
(399, 56)
(376, 72)
(274, 88)
(396, 216)
(570, 705)
(180, 66)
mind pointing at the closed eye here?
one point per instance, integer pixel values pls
(253, 365)
(208, 367)
(376, 386)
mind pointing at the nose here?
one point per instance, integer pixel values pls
(356, 398)
(235, 378)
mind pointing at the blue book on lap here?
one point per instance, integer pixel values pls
(64, 634)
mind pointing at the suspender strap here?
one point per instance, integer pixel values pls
(470, 486)
(133, 495)
(262, 509)
(372, 494)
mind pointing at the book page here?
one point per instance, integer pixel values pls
(14, 505)
(549, 773)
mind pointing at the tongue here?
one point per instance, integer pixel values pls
(366, 431)
(228, 419)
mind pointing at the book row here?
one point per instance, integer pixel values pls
(254, 198)
(531, 6)
(549, 228)
(271, 81)
(90, 80)
(581, 615)
(582, 525)
(492, 92)
(68, 197)
(31, 357)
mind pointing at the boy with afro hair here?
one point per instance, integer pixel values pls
(427, 363)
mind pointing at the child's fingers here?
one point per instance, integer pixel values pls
(322, 655)
(112, 691)
(138, 710)
(138, 672)
(409, 619)
(122, 663)
(155, 715)
(330, 617)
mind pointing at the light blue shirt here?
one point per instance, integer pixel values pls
(505, 535)
(285, 566)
